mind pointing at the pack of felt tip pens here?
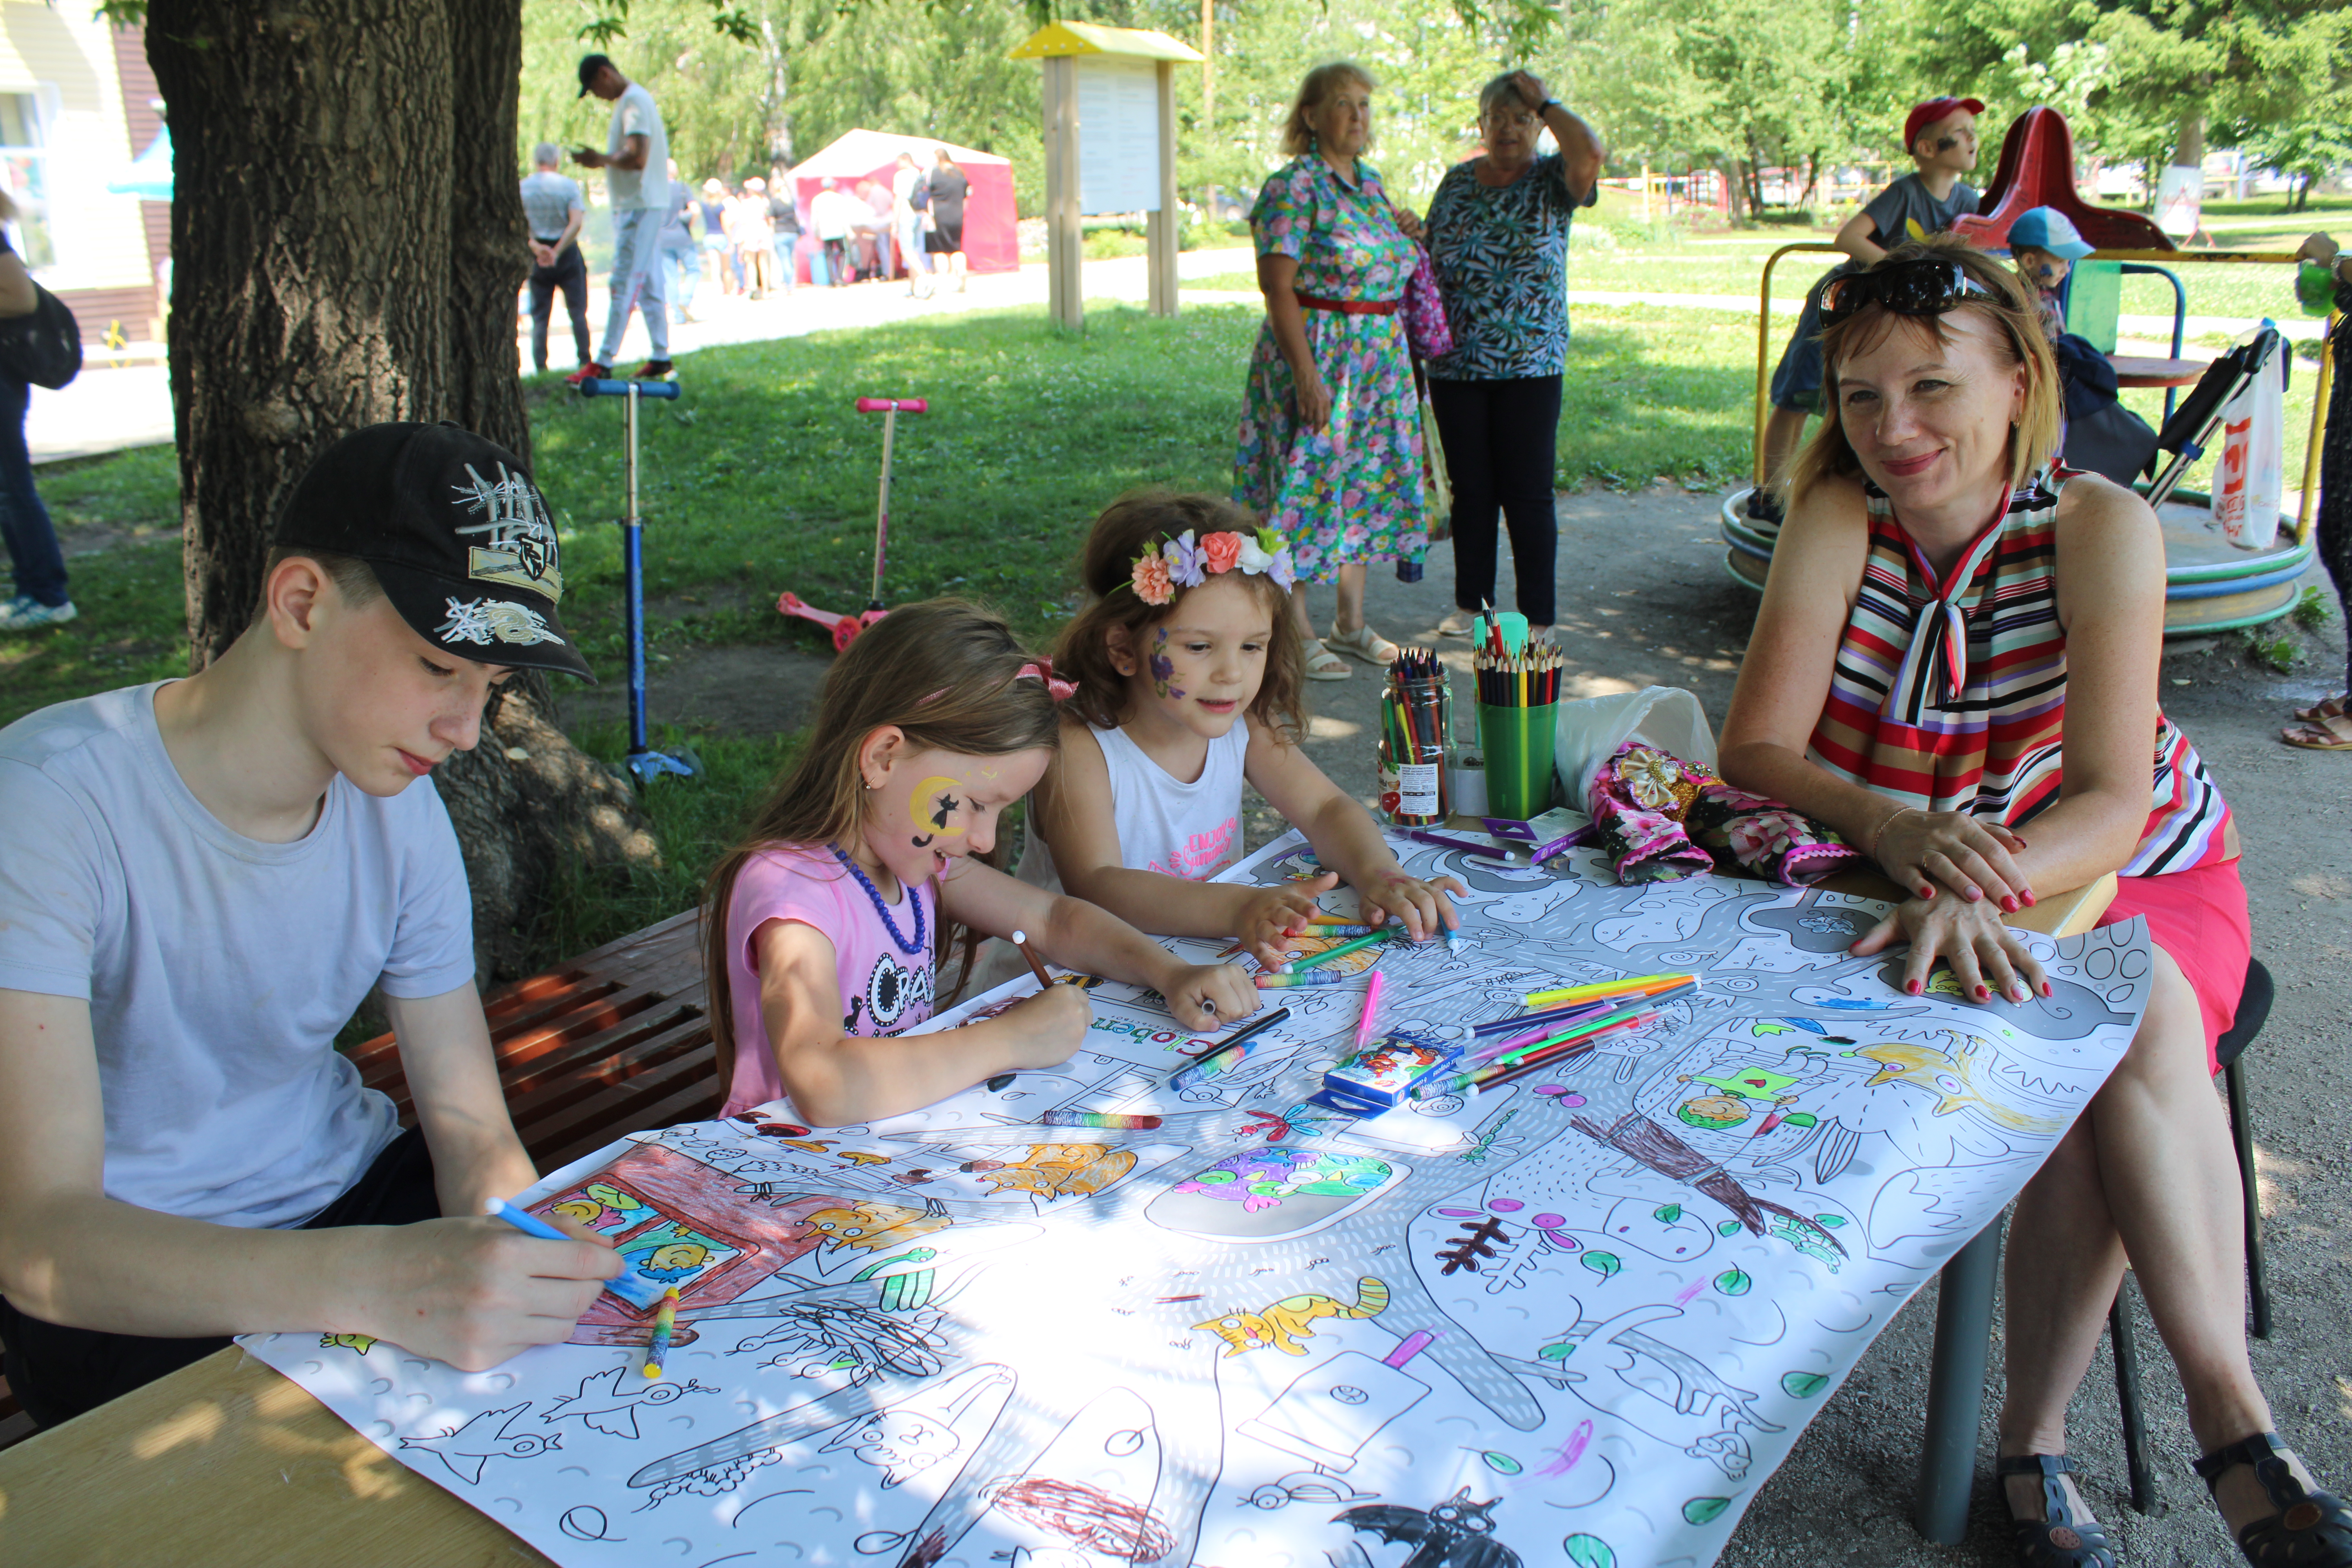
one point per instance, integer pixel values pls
(1383, 1074)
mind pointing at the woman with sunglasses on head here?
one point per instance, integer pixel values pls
(1955, 664)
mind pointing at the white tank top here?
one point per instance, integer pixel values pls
(1189, 830)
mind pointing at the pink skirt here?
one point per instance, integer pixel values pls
(2200, 918)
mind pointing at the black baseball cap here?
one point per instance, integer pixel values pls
(589, 66)
(455, 532)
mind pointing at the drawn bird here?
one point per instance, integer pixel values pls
(615, 1396)
(1951, 1079)
(465, 1449)
(1457, 1533)
(360, 1342)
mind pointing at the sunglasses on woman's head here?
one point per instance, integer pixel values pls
(1921, 288)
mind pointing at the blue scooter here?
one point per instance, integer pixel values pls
(645, 762)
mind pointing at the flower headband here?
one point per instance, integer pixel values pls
(1180, 562)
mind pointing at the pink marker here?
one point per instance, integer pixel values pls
(1371, 1011)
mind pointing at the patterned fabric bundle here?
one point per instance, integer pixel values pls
(1661, 820)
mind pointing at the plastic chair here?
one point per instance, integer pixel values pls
(2253, 1008)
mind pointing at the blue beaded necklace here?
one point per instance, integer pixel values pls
(922, 936)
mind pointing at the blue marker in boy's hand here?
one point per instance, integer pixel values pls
(629, 1285)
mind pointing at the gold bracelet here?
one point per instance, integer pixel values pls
(1873, 850)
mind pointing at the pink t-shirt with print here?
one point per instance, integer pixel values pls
(883, 990)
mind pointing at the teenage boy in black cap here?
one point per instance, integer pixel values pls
(199, 882)
(1941, 137)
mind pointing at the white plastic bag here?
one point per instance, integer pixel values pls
(2250, 482)
(1590, 729)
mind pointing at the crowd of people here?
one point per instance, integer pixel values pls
(1954, 667)
(754, 237)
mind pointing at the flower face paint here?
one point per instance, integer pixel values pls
(1163, 669)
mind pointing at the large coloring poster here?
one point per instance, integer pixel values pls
(1577, 1319)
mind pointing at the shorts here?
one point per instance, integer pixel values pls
(2198, 918)
(1797, 380)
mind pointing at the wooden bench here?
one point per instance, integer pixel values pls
(604, 1044)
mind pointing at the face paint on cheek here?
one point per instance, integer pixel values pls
(934, 801)
(1163, 669)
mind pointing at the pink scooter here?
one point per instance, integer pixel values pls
(844, 628)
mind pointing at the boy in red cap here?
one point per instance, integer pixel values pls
(200, 881)
(1941, 137)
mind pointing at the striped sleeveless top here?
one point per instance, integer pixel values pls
(1951, 696)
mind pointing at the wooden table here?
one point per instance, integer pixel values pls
(2145, 371)
(226, 1461)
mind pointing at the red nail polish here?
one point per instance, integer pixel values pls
(1928, 891)
(2028, 897)
(1983, 992)
(2045, 988)
(2008, 904)
(1911, 987)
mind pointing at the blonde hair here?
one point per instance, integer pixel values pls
(1129, 526)
(2033, 441)
(946, 672)
(1299, 131)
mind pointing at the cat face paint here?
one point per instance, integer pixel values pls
(937, 800)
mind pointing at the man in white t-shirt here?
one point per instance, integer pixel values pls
(635, 162)
(200, 881)
(907, 220)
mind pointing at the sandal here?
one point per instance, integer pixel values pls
(2320, 712)
(1318, 663)
(2310, 1529)
(1363, 642)
(2321, 735)
(2057, 1539)
(1456, 624)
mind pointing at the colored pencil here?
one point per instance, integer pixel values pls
(1577, 1031)
(1283, 982)
(1646, 983)
(1323, 919)
(665, 1324)
(1102, 1118)
(1037, 968)
(1372, 1012)
(1329, 954)
(1255, 1026)
(1467, 845)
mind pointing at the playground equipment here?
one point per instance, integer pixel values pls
(643, 762)
(844, 628)
(2211, 584)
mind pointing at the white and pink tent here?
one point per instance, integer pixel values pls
(990, 244)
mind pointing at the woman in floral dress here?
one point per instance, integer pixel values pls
(1331, 433)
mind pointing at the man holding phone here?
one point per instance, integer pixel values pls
(635, 162)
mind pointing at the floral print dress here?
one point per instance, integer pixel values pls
(1351, 492)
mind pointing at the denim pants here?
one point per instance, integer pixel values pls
(685, 273)
(32, 541)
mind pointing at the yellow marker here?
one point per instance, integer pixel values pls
(1605, 988)
(665, 1322)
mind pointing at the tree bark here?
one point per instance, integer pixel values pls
(348, 250)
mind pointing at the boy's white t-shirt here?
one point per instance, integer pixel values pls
(1189, 830)
(633, 115)
(217, 968)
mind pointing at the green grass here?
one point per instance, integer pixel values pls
(696, 822)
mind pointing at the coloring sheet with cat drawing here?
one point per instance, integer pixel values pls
(1578, 1318)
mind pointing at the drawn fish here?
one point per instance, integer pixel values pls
(1951, 1079)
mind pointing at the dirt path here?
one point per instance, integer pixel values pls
(1644, 600)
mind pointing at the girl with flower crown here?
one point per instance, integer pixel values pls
(1186, 685)
(819, 927)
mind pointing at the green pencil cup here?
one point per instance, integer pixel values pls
(1518, 746)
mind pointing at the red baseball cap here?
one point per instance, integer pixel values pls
(1932, 111)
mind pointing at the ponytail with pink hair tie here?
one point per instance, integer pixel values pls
(1043, 670)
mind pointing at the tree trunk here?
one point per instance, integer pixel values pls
(2189, 149)
(349, 252)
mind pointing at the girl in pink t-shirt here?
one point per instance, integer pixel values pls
(1187, 680)
(821, 929)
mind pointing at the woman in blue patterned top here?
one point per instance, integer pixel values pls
(1330, 450)
(1499, 233)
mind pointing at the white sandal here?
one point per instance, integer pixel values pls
(1456, 624)
(1318, 663)
(1363, 643)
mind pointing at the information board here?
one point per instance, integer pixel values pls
(1119, 135)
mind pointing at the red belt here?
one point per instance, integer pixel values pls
(1348, 307)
